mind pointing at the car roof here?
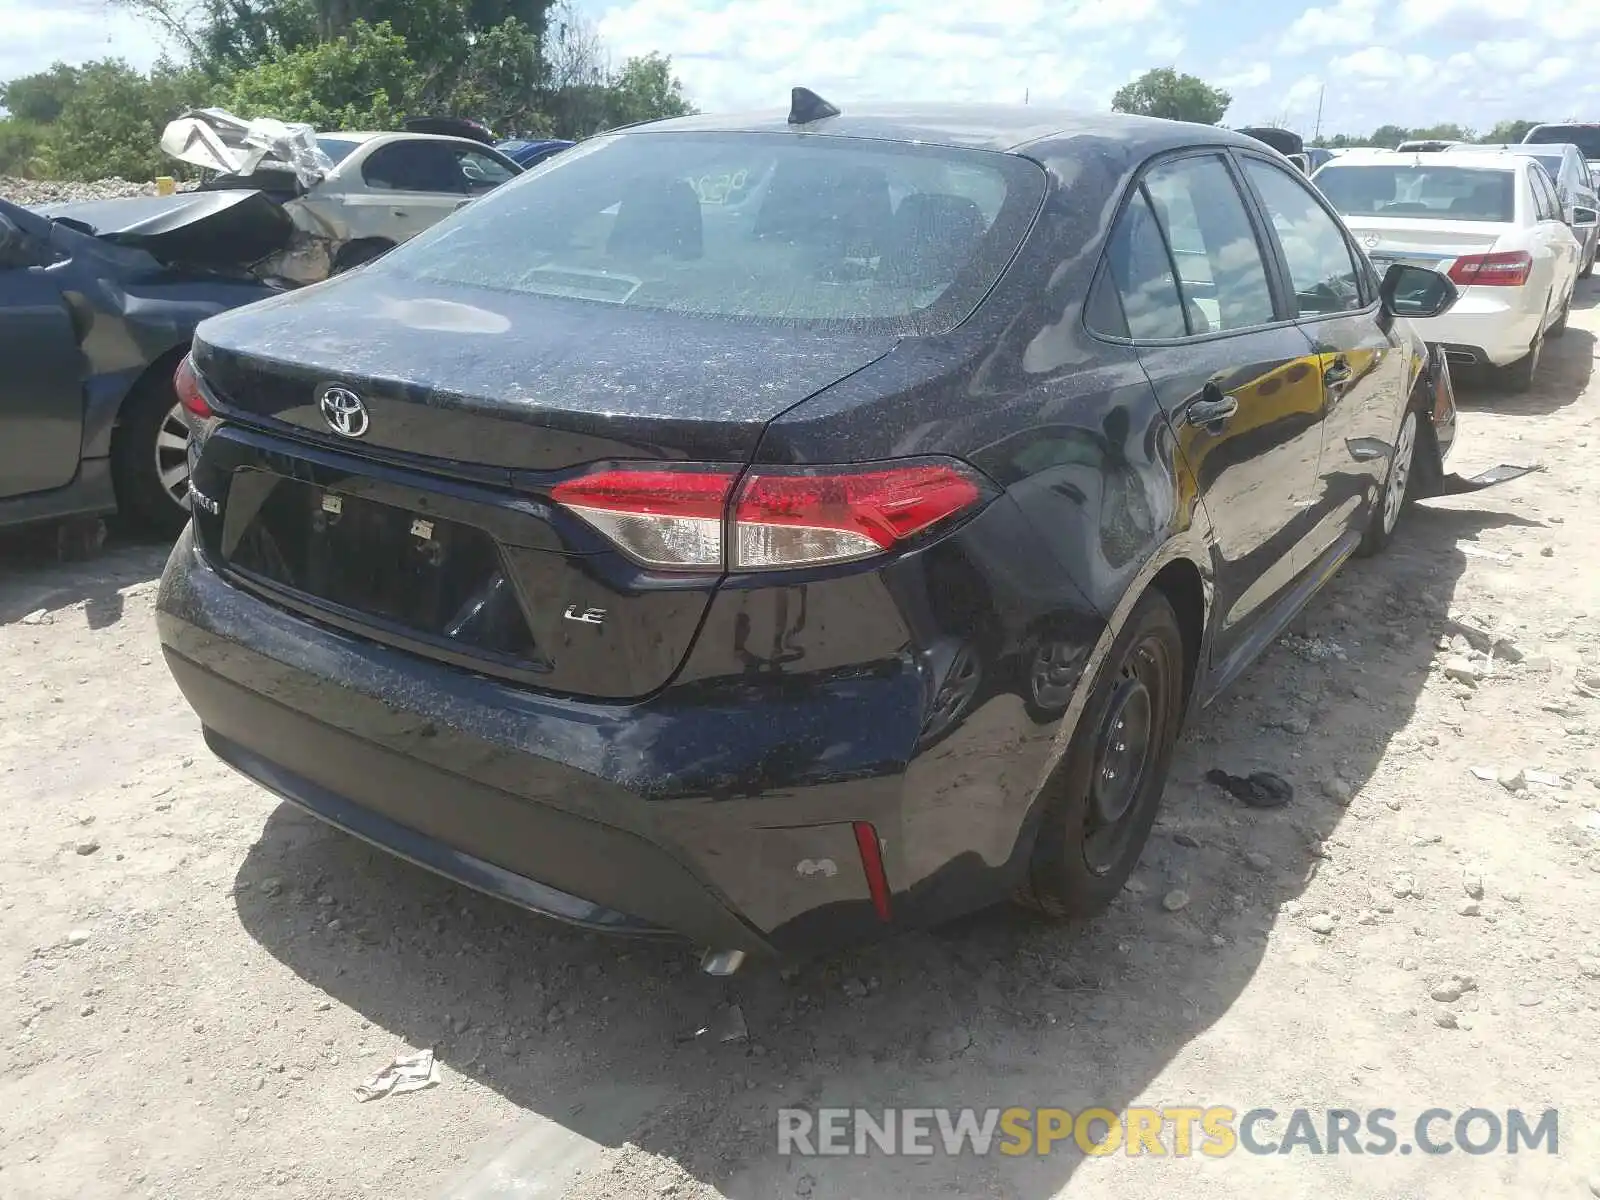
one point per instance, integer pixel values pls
(1528, 148)
(399, 135)
(1004, 127)
(1428, 158)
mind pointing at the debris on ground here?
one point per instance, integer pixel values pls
(406, 1073)
(1259, 789)
(728, 1025)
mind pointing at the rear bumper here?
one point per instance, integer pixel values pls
(1484, 330)
(723, 809)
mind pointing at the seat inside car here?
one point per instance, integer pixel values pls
(844, 213)
(1487, 201)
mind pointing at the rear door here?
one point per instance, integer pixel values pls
(414, 183)
(1554, 259)
(1359, 358)
(1566, 248)
(1237, 380)
(41, 386)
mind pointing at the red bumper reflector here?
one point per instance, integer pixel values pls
(872, 866)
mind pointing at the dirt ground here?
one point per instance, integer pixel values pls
(196, 976)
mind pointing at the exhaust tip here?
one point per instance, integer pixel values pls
(721, 962)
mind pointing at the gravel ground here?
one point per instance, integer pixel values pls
(53, 191)
(196, 976)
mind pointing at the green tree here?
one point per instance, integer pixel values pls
(501, 81)
(1447, 132)
(1163, 92)
(236, 35)
(111, 122)
(361, 80)
(1505, 132)
(21, 148)
(646, 90)
(40, 98)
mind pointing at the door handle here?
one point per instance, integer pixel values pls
(1337, 374)
(1210, 412)
(399, 212)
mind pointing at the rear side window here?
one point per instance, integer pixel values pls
(1544, 196)
(756, 227)
(1142, 272)
(481, 171)
(1320, 265)
(414, 166)
(1439, 193)
(1221, 274)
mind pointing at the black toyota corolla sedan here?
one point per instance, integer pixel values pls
(778, 531)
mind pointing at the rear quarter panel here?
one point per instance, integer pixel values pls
(1097, 500)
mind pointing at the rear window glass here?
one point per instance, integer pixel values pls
(337, 148)
(1550, 162)
(757, 227)
(1585, 137)
(1440, 193)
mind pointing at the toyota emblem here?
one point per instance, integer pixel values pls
(344, 412)
(1370, 240)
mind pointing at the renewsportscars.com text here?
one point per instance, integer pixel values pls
(1214, 1131)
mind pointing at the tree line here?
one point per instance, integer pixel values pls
(523, 67)
(1164, 92)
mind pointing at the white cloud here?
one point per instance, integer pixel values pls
(1347, 23)
(1381, 64)
(738, 54)
(1254, 76)
(38, 33)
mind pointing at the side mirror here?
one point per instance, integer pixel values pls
(1585, 218)
(1416, 292)
(1303, 161)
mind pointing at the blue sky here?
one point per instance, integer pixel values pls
(1410, 62)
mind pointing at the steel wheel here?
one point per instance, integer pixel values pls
(1103, 796)
(1054, 673)
(956, 693)
(1405, 454)
(172, 457)
(1122, 754)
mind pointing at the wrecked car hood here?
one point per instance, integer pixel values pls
(220, 230)
(219, 141)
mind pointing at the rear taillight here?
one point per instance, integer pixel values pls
(190, 394)
(1504, 268)
(685, 518)
(659, 517)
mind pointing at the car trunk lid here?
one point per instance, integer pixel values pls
(518, 383)
(1425, 243)
(434, 530)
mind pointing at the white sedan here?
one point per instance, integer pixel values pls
(1493, 225)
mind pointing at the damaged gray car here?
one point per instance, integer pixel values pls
(350, 196)
(93, 322)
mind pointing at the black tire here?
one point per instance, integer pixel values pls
(358, 253)
(143, 449)
(1588, 267)
(1089, 840)
(1518, 377)
(1560, 326)
(1395, 493)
